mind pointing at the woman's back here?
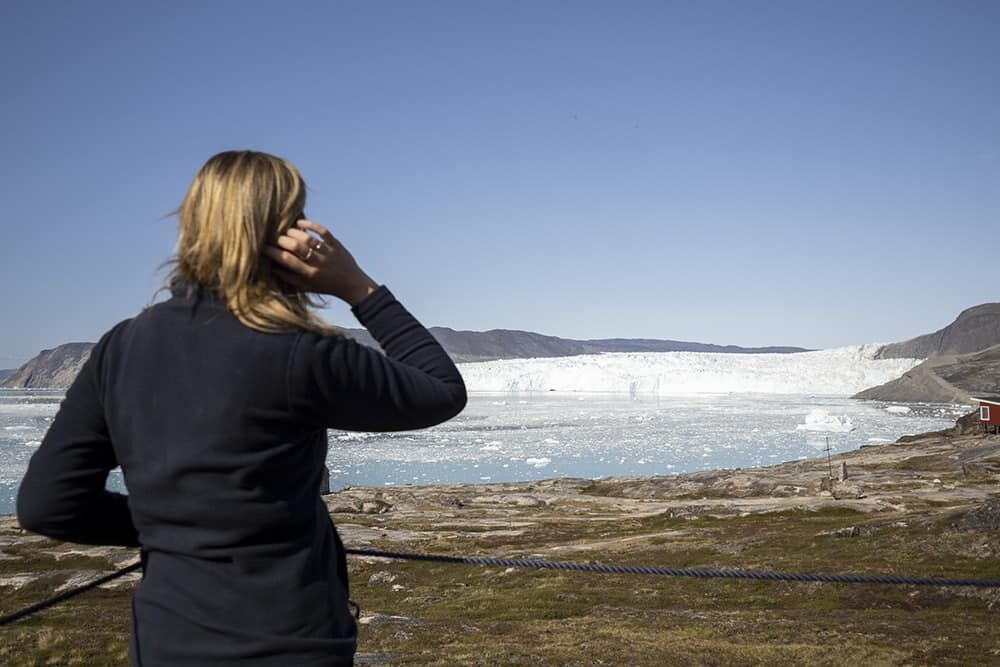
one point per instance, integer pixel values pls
(198, 411)
(224, 488)
(220, 431)
(216, 403)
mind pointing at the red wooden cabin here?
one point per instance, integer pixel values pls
(989, 414)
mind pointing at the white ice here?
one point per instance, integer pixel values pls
(538, 462)
(821, 420)
(838, 372)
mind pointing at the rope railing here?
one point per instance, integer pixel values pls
(601, 568)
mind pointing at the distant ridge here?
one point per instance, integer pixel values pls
(655, 345)
(465, 346)
(515, 344)
(57, 367)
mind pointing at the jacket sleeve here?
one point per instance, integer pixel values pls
(335, 382)
(62, 495)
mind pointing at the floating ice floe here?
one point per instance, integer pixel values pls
(898, 410)
(539, 462)
(821, 420)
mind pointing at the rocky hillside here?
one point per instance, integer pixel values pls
(944, 379)
(7, 372)
(974, 329)
(51, 368)
(963, 360)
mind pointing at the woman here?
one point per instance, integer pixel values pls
(216, 403)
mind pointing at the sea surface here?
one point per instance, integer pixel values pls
(509, 436)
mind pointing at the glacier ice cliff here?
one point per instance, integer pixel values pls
(835, 372)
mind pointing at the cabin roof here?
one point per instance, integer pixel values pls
(992, 401)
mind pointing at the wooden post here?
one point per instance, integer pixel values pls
(324, 482)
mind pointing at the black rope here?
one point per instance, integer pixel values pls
(680, 571)
(10, 618)
(576, 567)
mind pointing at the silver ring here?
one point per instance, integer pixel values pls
(308, 254)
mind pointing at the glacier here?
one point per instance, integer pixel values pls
(840, 371)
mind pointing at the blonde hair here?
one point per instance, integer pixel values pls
(238, 202)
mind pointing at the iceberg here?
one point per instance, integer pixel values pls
(821, 420)
(835, 372)
(538, 462)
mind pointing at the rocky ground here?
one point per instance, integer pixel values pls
(926, 505)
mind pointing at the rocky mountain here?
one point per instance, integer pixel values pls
(974, 329)
(57, 367)
(962, 361)
(944, 379)
(51, 368)
(4, 372)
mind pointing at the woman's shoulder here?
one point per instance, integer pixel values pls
(112, 335)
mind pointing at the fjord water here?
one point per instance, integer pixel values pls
(505, 437)
(508, 436)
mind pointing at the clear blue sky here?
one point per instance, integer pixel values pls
(806, 173)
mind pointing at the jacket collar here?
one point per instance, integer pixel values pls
(189, 290)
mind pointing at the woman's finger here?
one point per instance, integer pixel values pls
(289, 260)
(292, 245)
(306, 238)
(324, 233)
(293, 279)
(306, 249)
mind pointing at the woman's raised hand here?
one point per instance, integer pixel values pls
(319, 263)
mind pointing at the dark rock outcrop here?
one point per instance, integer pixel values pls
(985, 518)
(974, 329)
